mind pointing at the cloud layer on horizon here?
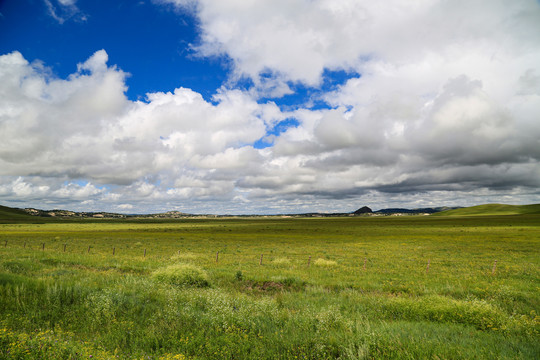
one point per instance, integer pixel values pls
(445, 112)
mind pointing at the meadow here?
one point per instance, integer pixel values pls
(414, 287)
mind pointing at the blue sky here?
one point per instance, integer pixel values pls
(209, 106)
(149, 42)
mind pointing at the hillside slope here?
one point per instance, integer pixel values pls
(492, 209)
(11, 215)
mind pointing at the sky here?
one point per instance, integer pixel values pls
(268, 106)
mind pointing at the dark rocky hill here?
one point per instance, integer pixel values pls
(363, 210)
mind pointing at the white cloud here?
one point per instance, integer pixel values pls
(63, 10)
(44, 121)
(297, 39)
(124, 207)
(67, 2)
(84, 128)
(74, 191)
(20, 188)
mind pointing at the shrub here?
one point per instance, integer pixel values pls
(281, 261)
(324, 262)
(182, 275)
(239, 276)
(436, 308)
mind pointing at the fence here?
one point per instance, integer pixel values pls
(359, 260)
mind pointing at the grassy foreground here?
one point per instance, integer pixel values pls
(327, 288)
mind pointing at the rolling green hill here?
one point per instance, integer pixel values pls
(11, 215)
(492, 209)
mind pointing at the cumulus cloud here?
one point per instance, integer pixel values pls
(296, 40)
(43, 118)
(445, 111)
(84, 128)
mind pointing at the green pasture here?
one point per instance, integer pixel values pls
(492, 209)
(414, 287)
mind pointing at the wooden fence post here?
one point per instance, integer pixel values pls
(217, 257)
(89, 248)
(144, 253)
(494, 268)
(427, 267)
(113, 249)
(260, 262)
(43, 247)
(309, 260)
(65, 247)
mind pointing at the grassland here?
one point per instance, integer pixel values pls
(492, 209)
(322, 288)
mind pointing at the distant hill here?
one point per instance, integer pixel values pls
(363, 210)
(31, 215)
(492, 209)
(11, 215)
(413, 211)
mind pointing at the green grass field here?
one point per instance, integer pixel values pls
(272, 288)
(492, 209)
